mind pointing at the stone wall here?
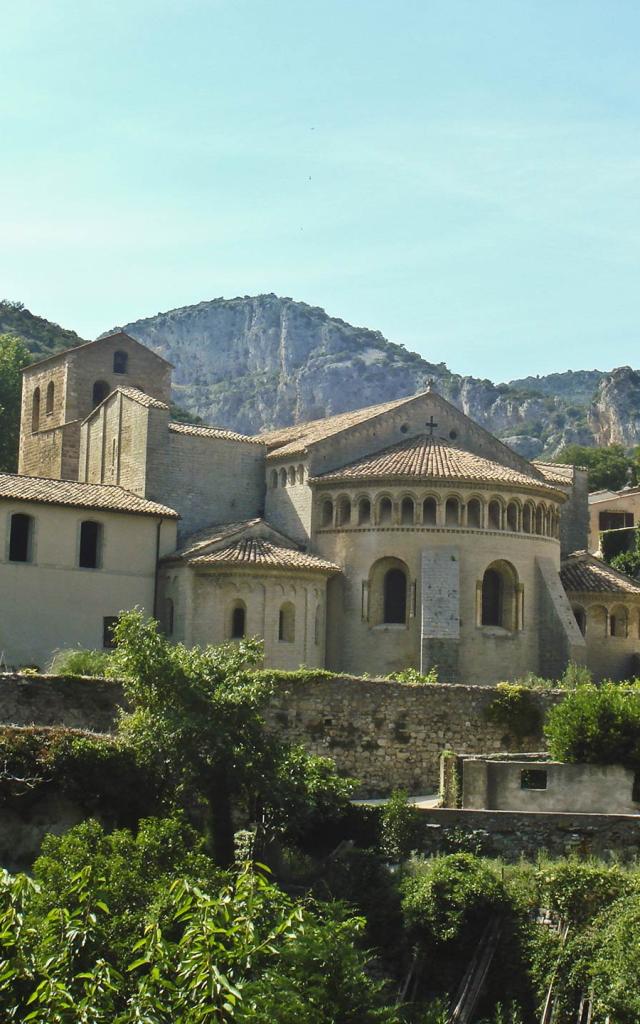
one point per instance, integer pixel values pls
(515, 834)
(58, 700)
(390, 735)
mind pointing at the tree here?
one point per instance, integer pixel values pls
(196, 721)
(14, 356)
(597, 725)
(609, 468)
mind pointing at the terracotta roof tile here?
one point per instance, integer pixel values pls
(583, 573)
(105, 497)
(195, 430)
(141, 397)
(555, 472)
(265, 554)
(294, 439)
(427, 459)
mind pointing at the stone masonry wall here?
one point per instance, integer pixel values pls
(390, 735)
(57, 700)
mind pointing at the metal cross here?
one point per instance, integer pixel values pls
(431, 425)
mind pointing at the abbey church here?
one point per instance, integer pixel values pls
(400, 535)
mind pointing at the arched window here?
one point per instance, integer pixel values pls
(474, 514)
(501, 597)
(344, 512)
(364, 511)
(238, 620)
(429, 511)
(35, 411)
(385, 512)
(527, 517)
(21, 538)
(619, 622)
(292, 475)
(283, 477)
(540, 520)
(51, 390)
(100, 392)
(407, 512)
(395, 596)
(287, 623)
(326, 515)
(452, 512)
(168, 616)
(495, 515)
(581, 618)
(120, 360)
(274, 478)
(512, 516)
(597, 621)
(90, 544)
(300, 474)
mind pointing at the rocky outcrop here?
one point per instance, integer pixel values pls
(614, 415)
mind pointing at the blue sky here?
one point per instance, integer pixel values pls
(463, 176)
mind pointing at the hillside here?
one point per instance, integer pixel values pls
(42, 337)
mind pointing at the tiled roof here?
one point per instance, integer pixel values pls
(201, 431)
(583, 573)
(214, 535)
(106, 497)
(141, 397)
(555, 472)
(294, 439)
(264, 553)
(427, 459)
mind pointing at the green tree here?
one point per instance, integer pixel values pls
(609, 467)
(196, 722)
(596, 725)
(14, 356)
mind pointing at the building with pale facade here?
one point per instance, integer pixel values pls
(401, 535)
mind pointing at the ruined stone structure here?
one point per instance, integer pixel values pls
(400, 535)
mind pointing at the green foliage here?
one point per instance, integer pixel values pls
(578, 890)
(573, 676)
(14, 355)
(414, 677)
(42, 337)
(628, 562)
(238, 950)
(77, 662)
(400, 827)
(305, 794)
(597, 725)
(447, 895)
(609, 467)
(514, 709)
(180, 415)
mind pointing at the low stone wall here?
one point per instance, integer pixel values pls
(78, 703)
(515, 834)
(390, 735)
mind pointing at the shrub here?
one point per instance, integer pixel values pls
(597, 725)
(80, 663)
(578, 890)
(414, 677)
(400, 827)
(514, 709)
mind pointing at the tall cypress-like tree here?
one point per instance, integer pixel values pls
(14, 356)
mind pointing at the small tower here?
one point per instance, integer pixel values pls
(59, 392)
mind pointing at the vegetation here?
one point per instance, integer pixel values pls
(14, 356)
(515, 710)
(597, 725)
(41, 337)
(609, 467)
(80, 662)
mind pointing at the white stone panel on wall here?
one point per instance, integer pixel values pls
(441, 593)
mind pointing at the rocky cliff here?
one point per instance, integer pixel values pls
(260, 362)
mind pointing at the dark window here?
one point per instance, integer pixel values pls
(474, 513)
(20, 538)
(581, 619)
(100, 392)
(395, 596)
(429, 512)
(407, 512)
(452, 512)
(89, 544)
(108, 624)
(35, 411)
(168, 616)
(385, 510)
(533, 778)
(364, 511)
(287, 623)
(491, 598)
(120, 360)
(238, 622)
(327, 513)
(51, 390)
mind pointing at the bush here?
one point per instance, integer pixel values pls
(80, 663)
(578, 890)
(515, 710)
(400, 827)
(414, 677)
(597, 725)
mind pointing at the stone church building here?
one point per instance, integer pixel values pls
(399, 535)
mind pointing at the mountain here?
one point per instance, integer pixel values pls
(260, 362)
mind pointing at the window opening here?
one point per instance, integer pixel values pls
(35, 411)
(287, 623)
(512, 516)
(491, 598)
(120, 360)
(495, 515)
(364, 511)
(429, 512)
(20, 537)
(395, 596)
(89, 544)
(385, 511)
(100, 392)
(51, 389)
(327, 512)
(109, 623)
(452, 512)
(407, 512)
(474, 514)
(533, 778)
(238, 621)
